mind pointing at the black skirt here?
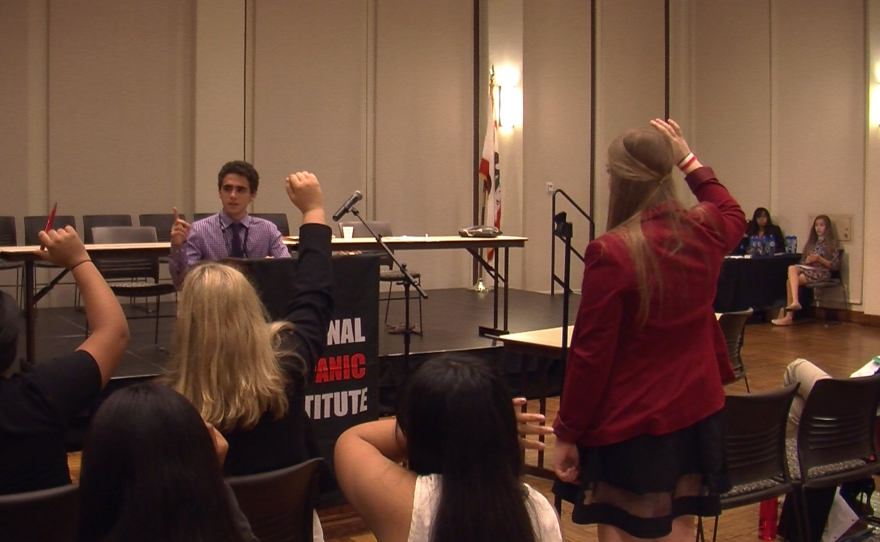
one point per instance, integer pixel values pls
(642, 484)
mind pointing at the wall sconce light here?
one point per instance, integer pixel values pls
(509, 106)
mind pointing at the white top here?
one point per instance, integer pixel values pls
(427, 497)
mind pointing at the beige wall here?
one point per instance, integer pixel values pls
(132, 107)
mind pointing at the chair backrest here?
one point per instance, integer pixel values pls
(733, 325)
(100, 221)
(279, 219)
(126, 267)
(49, 514)
(838, 425)
(754, 439)
(33, 225)
(8, 235)
(199, 216)
(162, 222)
(279, 505)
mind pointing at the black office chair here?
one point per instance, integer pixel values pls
(836, 441)
(199, 216)
(162, 222)
(134, 270)
(9, 238)
(391, 276)
(48, 514)
(733, 324)
(102, 221)
(279, 219)
(754, 444)
(280, 504)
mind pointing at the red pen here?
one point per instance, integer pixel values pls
(51, 217)
(49, 222)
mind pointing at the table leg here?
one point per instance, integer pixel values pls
(30, 311)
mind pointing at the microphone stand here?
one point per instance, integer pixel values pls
(408, 282)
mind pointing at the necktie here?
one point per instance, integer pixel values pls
(237, 251)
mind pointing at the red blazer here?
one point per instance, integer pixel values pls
(623, 380)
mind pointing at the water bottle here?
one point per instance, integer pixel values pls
(767, 519)
(753, 246)
(793, 243)
(771, 246)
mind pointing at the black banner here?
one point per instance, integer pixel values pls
(344, 384)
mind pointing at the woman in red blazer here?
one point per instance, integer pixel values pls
(639, 423)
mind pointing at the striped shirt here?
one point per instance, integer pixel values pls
(211, 239)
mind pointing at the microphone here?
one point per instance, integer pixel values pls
(346, 207)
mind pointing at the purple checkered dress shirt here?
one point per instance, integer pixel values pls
(211, 239)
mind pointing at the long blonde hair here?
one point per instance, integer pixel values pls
(228, 358)
(640, 166)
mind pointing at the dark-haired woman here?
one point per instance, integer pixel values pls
(761, 225)
(151, 470)
(821, 256)
(458, 431)
(639, 422)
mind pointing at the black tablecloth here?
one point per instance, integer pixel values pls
(758, 283)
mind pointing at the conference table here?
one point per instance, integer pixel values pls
(753, 283)
(497, 268)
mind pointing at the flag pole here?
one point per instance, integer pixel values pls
(487, 172)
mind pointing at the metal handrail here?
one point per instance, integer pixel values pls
(554, 278)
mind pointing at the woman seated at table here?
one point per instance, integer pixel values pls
(821, 256)
(762, 226)
(457, 431)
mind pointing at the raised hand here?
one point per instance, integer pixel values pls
(179, 230)
(528, 424)
(63, 248)
(304, 191)
(672, 131)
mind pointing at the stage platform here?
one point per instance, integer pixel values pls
(450, 319)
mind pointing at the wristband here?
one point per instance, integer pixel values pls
(685, 159)
(689, 159)
(74, 266)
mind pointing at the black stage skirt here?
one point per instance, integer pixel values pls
(642, 484)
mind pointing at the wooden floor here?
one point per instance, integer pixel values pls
(839, 349)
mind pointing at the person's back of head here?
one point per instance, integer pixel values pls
(457, 415)
(150, 472)
(226, 358)
(640, 167)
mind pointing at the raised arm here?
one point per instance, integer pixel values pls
(705, 185)
(366, 461)
(312, 302)
(110, 334)
(178, 260)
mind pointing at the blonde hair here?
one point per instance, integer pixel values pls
(640, 165)
(228, 358)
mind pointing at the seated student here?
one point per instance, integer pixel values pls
(456, 429)
(244, 375)
(38, 404)
(762, 226)
(150, 471)
(819, 501)
(821, 256)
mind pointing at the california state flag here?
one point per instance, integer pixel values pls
(489, 172)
